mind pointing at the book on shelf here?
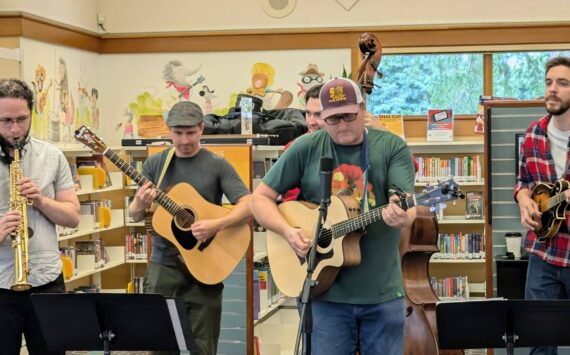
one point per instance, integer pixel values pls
(69, 261)
(440, 125)
(100, 210)
(94, 165)
(136, 246)
(474, 205)
(390, 122)
(128, 200)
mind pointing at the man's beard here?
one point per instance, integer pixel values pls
(6, 145)
(564, 106)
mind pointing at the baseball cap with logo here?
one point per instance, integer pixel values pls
(339, 95)
(184, 113)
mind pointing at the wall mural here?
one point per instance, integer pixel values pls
(128, 96)
(63, 81)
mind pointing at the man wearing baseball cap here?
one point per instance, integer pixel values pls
(364, 307)
(211, 176)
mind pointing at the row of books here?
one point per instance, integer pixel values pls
(136, 246)
(95, 167)
(84, 255)
(100, 210)
(136, 285)
(456, 287)
(460, 246)
(463, 169)
(265, 293)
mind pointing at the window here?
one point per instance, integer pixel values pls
(412, 84)
(520, 75)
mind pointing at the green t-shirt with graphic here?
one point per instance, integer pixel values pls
(378, 278)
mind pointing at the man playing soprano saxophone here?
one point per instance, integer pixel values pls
(47, 183)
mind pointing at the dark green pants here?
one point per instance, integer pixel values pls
(204, 302)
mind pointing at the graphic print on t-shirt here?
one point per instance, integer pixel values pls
(347, 181)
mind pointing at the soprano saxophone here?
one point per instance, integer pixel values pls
(21, 235)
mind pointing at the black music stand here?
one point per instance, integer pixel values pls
(502, 324)
(99, 321)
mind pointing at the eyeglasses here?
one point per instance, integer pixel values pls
(7, 122)
(347, 117)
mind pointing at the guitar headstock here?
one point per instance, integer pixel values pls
(437, 194)
(85, 136)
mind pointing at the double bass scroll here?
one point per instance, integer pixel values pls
(371, 50)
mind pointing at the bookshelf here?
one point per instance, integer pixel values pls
(439, 160)
(95, 273)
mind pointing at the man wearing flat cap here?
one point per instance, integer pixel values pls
(363, 309)
(211, 176)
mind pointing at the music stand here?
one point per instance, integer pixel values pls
(502, 324)
(99, 321)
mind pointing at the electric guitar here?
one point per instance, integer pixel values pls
(209, 262)
(551, 201)
(339, 240)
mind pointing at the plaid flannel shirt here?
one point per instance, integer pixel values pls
(537, 166)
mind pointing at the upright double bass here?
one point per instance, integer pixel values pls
(418, 242)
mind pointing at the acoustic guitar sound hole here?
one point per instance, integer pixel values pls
(181, 229)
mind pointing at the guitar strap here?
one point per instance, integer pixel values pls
(162, 173)
(179, 260)
(365, 166)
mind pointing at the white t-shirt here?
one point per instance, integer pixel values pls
(558, 147)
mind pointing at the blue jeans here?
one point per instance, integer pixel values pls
(341, 328)
(545, 281)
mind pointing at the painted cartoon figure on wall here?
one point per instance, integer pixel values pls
(65, 107)
(262, 76)
(94, 107)
(41, 92)
(208, 95)
(178, 76)
(310, 77)
(128, 130)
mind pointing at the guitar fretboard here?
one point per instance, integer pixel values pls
(353, 224)
(162, 198)
(554, 201)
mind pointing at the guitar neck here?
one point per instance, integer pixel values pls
(353, 224)
(161, 197)
(555, 201)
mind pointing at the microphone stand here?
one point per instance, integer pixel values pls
(306, 317)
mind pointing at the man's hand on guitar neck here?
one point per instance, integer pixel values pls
(396, 217)
(530, 215)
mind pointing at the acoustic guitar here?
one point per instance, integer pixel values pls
(209, 262)
(338, 242)
(551, 201)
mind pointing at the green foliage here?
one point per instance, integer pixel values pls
(521, 74)
(412, 84)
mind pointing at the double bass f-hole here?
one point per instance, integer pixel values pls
(371, 56)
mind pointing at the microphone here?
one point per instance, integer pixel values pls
(326, 179)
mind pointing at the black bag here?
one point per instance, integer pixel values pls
(287, 124)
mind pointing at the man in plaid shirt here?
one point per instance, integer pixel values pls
(544, 159)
